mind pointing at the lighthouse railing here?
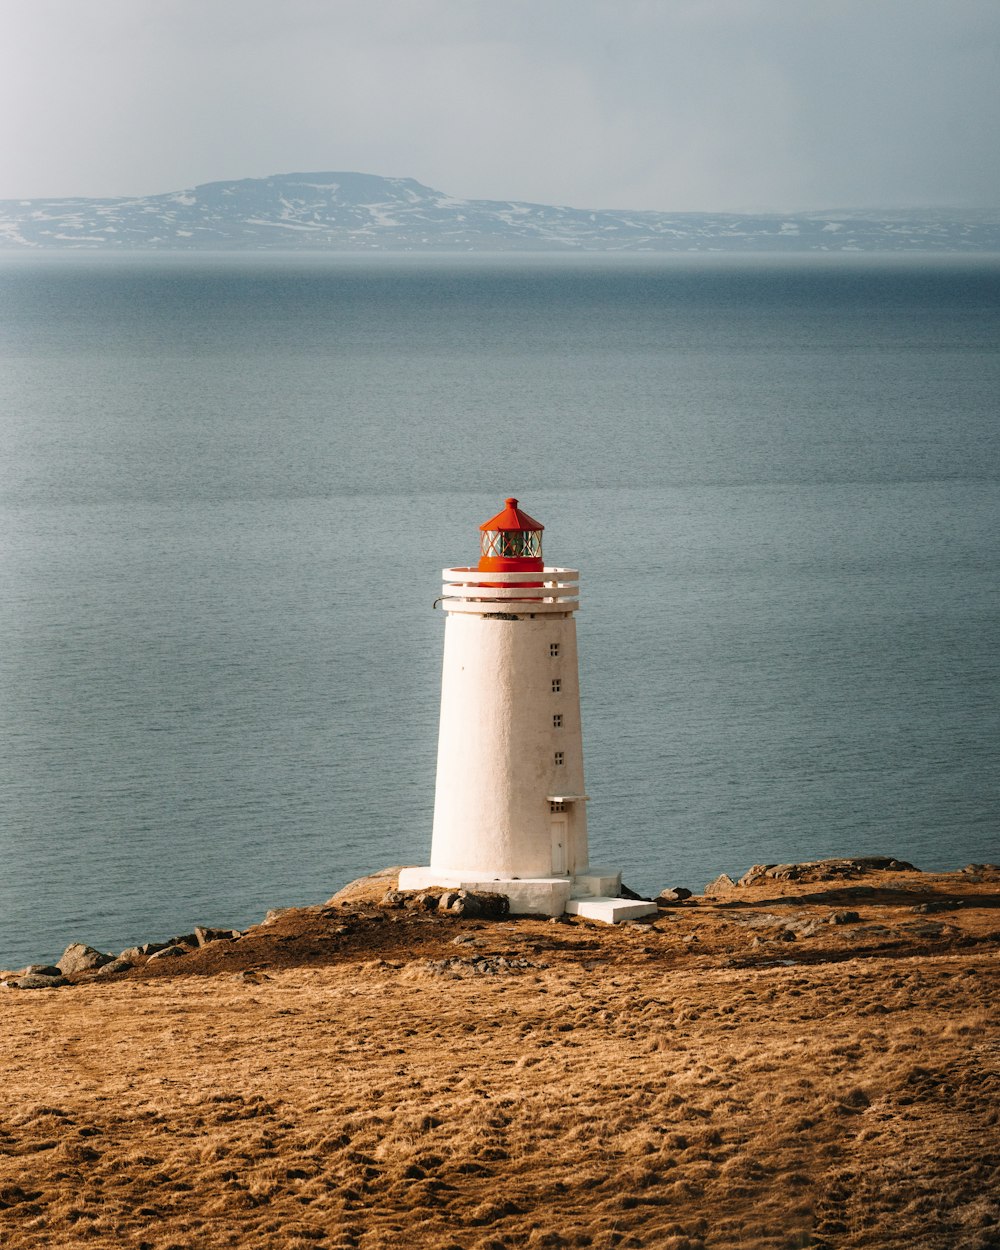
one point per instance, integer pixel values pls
(544, 590)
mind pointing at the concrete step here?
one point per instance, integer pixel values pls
(610, 910)
(596, 883)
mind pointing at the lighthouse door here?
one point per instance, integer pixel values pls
(560, 830)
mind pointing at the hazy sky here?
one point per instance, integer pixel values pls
(667, 104)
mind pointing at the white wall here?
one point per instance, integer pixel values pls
(497, 744)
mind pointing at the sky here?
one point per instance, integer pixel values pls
(683, 105)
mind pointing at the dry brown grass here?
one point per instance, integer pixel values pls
(631, 1093)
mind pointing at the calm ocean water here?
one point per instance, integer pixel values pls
(228, 486)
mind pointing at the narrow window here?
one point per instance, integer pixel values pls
(553, 648)
(559, 757)
(556, 685)
(557, 721)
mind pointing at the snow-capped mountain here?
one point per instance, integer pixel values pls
(363, 212)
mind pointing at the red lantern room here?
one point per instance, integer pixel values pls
(511, 542)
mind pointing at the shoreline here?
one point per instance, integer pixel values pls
(82, 961)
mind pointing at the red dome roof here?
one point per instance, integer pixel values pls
(512, 518)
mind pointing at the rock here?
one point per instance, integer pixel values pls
(132, 953)
(842, 917)
(392, 899)
(466, 905)
(497, 906)
(938, 904)
(722, 884)
(80, 958)
(758, 919)
(35, 982)
(786, 872)
(41, 970)
(978, 871)
(447, 900)
(205, 935)
(116, 965)
(169, 952)
(185, 939)
(625, 892)
(754, 874)
(924, 928)
(367, 889)
(426, 900)
(472, 905)
(873, 933)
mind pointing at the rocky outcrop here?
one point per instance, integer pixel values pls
(137, 953)
(204, 935)
(486, 966)
(672, 897)
(114, 967)
(471, 904)
(982, 872)
(35, 981)
(368, 889)
(174, 951)
(78, 957)
(824, 869)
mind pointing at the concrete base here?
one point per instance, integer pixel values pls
(529, 896)
(586, 894)
(610, 910)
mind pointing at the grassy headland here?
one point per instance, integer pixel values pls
(739, 1073)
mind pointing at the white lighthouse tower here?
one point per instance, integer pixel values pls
(510, 803)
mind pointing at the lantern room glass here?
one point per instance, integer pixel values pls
(512, 544)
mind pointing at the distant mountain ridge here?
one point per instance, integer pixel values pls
(352, 212)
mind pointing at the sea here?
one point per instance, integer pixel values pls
(229, 483)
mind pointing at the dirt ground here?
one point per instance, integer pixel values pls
(740, 1072)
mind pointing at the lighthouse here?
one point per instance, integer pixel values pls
(510, 805)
